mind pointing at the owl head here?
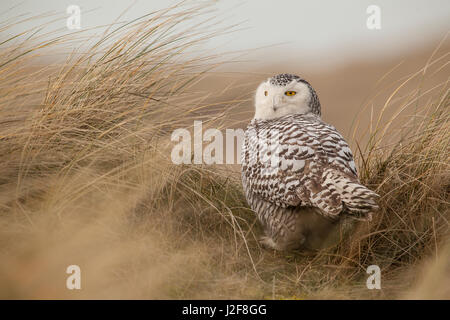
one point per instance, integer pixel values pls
(285, 94)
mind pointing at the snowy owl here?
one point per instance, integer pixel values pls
(298, 172)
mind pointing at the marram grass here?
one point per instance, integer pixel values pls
(87, 179)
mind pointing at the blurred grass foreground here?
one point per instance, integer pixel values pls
(86, 178)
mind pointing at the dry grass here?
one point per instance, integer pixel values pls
(87, 180)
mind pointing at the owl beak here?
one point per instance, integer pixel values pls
(277, 101)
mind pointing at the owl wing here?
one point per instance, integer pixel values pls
(301, 161)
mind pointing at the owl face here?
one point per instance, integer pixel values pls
(285, 94)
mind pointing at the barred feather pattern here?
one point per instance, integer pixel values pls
(298, 161)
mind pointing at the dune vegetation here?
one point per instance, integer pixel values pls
(87, 178)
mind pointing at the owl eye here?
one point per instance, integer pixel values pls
(266, 93)
(290, 93)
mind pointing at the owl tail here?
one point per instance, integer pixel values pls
(339, 193)
(358, 201)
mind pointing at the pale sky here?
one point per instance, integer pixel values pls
(315, 30)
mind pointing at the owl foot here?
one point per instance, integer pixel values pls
(283, 244)
(268, 243)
